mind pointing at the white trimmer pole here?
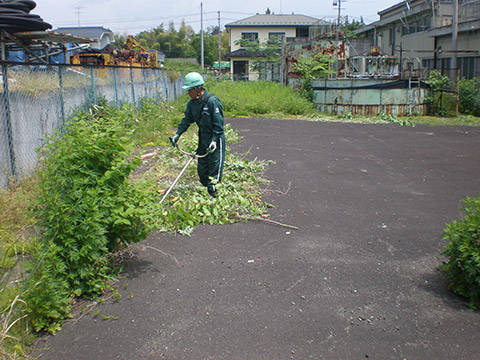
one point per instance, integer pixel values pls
(178, 177)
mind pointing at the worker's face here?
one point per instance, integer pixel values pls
(193, 93)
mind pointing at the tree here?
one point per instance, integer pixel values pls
(265, 56)
(349, 28)
(184, 42)
(172, 42)
(317, 66)
(152, 39)
(119, 40)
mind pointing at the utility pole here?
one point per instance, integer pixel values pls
(202, 63)
(339, 4)
(454, 40)
(219, 48)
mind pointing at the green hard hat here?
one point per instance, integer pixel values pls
(193, 80)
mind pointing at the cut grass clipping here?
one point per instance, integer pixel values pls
(188, 204)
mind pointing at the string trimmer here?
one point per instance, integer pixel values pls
(192, 156)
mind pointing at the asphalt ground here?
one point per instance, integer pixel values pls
(359, 279)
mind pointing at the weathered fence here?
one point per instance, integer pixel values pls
(37, 99)
(370, 96)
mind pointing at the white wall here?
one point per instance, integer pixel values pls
(236, 33)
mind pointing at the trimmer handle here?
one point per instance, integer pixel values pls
(171, 141)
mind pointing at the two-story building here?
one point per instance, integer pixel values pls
(430, 34)
(262, 28)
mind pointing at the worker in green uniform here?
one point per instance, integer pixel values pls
(206, 111)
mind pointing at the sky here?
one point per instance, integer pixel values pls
(133, 16)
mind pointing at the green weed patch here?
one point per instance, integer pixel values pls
(463, 253)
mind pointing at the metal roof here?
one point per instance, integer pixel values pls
(275, 20)
(93, 32)
(52, 36)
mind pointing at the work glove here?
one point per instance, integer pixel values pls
(174, 139)
(212, 147)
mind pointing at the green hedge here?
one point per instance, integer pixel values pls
(86, 209)
(469, 95)
(463, 253)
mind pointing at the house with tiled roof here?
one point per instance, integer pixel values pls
(262, 28)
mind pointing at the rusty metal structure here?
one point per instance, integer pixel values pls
(366, 84)
(132, 54)
(370, 96)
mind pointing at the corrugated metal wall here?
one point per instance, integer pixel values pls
(343, 96)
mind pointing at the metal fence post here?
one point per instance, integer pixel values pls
(115, 86)
(167, 88)
(93, 85)
(145, 82)
(62, 100)
(8, 120)
(133, 86)
(157, 90)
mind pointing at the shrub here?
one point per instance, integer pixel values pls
(469, 94)
(86, 209)
(463, 253)
(439, 99)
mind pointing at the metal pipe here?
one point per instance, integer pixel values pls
(178, 177)
(8, 121)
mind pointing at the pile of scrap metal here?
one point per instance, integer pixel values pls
(15, 17)
(132, 54)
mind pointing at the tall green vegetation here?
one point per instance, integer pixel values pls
(463, 253)
(260, 98)
(171, 42)
(86, 208)
(184, 42)
(16, 229)
(469, 95)
(313, 67)
(440, 99)
(348, 28)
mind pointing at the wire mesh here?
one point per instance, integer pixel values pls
(37, 99)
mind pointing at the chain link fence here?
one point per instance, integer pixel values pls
(37, 99)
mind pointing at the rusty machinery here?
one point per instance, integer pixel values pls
(132, 54)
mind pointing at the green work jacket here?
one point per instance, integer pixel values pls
(209, 119)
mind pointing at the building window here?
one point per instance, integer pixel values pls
(428, 63)
(412, 26)
(301, 31)
(252, 36)
(467, 67)
(240, 70)
(443, 65)
(273, 36)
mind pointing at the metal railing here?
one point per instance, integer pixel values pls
(37, 99)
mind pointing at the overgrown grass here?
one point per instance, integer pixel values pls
(181, 67)
(16, 242)
(260, 99)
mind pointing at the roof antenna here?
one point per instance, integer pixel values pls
(78, 7)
